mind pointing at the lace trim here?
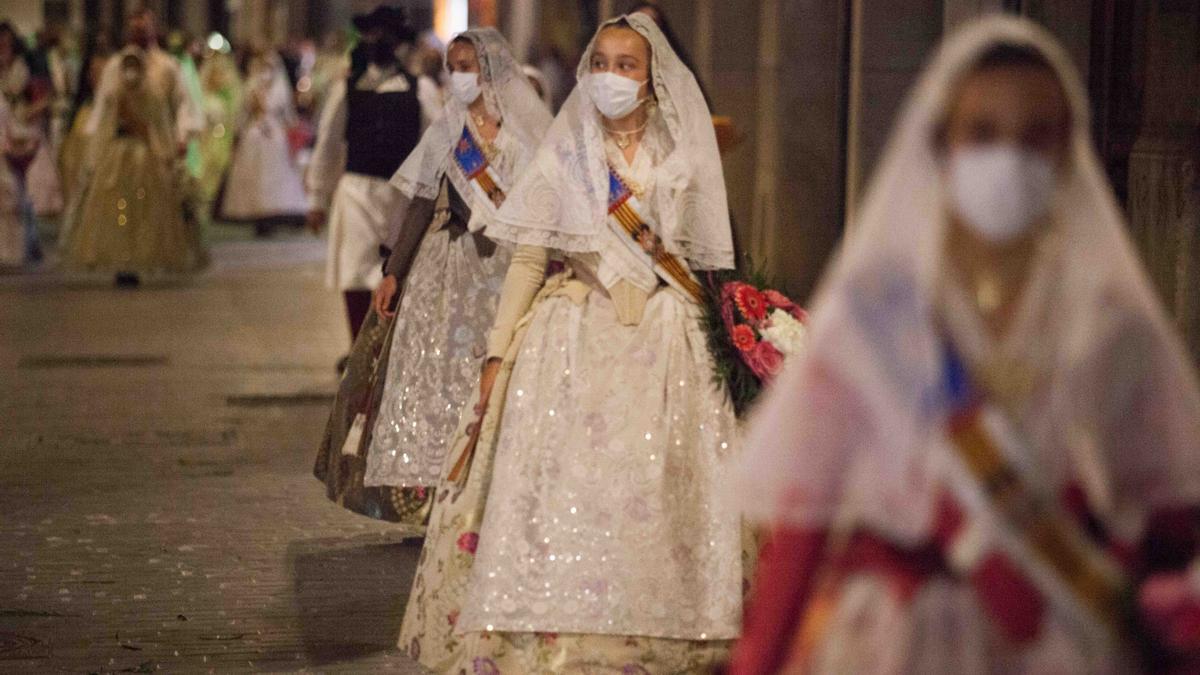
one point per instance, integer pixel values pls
(414, 189)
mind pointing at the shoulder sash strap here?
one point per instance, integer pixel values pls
(625, 217)
(474, 165)
(979, 435)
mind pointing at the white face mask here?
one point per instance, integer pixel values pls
(615, 96)
(465, 87)
(1000, 191)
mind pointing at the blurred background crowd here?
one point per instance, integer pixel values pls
(811, 88)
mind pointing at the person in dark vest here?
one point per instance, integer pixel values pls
(369, 125)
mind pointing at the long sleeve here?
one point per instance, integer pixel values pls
(787, 571)
(417, 216)
(526, 274)
(329, 155)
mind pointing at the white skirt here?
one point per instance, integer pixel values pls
(441, 329)
(361, 218)
(941, 630)
(263, 181)
(605, 513)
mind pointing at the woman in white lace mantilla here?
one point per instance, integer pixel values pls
(992, 439)
(449, 297)
(264, 182)
(603, 546)
(447, 276)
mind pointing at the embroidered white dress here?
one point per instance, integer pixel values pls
(603, 516)
(264, 181)
(442, 322)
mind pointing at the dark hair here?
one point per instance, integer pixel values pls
(1010, 55)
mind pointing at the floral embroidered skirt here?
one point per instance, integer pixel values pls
(444, 576)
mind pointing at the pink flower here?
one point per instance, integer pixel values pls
(751, 303)
(764, 360)
(777, 299)
(1171, 608)
(743, 337)
(469, 541)
(727, 306)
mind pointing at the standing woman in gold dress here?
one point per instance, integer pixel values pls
(131, 220)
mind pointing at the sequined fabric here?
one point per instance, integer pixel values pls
(448, 306)
(343, 473)
(444, 569)
(604, 514)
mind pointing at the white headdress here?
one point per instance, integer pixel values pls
(561, 202)
(856, 423)
(507, 94)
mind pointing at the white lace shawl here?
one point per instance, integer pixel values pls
(508, 94)
(857, 425)
(561, 202)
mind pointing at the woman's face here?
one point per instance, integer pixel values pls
(461, 57)
(623, 51)
(1004, 144)
(1022, 106)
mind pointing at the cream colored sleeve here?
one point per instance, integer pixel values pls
(526, 274)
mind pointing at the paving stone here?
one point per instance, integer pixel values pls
(158, 508)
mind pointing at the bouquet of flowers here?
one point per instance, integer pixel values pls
(751, 331)
(1168, 619)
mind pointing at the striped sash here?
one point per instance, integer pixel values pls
(625, 217)
(980, 436)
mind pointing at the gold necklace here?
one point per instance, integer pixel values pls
(624, 139)
(989, 295)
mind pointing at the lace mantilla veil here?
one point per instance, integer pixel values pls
(507, 94)
(561, 201)
(855, 423)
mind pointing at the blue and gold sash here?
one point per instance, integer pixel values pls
(475, 166)
(625, 217)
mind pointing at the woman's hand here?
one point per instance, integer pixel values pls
(382, 299)
(491, 368)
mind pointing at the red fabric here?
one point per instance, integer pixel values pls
(1014, 604)
(787, 571)
(905, 569)
(947, 521)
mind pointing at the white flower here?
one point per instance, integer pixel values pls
(785, 333)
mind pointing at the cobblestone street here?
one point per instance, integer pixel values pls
(159, 512)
